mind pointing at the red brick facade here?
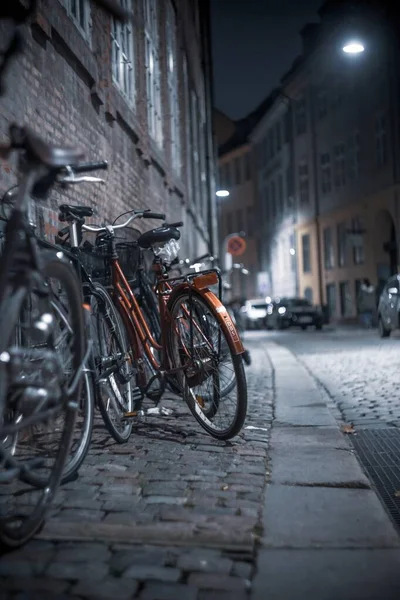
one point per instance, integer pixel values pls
(63, 87)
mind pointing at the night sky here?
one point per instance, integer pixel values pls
(254, 43)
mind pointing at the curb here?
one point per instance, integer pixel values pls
(319, 505)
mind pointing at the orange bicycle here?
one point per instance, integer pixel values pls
(199, 347)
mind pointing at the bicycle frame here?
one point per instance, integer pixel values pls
(138, 330)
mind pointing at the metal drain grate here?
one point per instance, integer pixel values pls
(379, 452)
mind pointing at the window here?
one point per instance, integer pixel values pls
(331, 299)
(305, 245)
(122, 55)
(272, 146)
(346, 301)
(188, 140)
(247, 166)
(337, 92)
(280, 194)
(322, 103)
(239, 220)
(237, 169)
(358, 240)
(278, 137)
(267, 207)
(329, 256)
(229, 224)
(195, 139)
(308, 294)
(353, 159)
(79, 13)
(381, 140)
(173, 84)
(303, 183)
(273, 199)
(341, 244)
(228, 175)
(250, 220)
(153, 77)
(300, 116)
(326, 175)
(340, 165)
(289, 183)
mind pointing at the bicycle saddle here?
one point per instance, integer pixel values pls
(67, 210)
(160, 235)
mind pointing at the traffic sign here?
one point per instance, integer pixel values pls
(236, 245)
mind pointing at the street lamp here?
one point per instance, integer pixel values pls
(222, 193)
(353, 47)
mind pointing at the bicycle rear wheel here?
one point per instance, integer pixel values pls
(113, 365)
(38, 405)
(208, 366)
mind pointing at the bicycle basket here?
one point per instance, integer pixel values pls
(129, 258)
(96, 261)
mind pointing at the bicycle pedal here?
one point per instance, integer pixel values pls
(137, 398)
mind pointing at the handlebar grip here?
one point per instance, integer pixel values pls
(177, 224)
(153, 215)
(90, 166)
(63, 231)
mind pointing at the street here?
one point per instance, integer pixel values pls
(175, 514)
(359, 370)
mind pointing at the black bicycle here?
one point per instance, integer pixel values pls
(110, 364)
(39, 383)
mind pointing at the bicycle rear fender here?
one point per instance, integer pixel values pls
(219, 310)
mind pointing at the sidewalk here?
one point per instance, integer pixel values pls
(275, 514)
(325, 533)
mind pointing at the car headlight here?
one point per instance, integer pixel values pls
(281, 310)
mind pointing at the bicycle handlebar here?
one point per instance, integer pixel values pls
(143, 214)
(90, 166)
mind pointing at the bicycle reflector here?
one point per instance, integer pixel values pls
(204, 281)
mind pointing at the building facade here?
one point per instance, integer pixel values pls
(237, 212)
(273, 160)
(345, 151)
(138, 95)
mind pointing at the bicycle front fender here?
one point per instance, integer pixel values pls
(217, 308)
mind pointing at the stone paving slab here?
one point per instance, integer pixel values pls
(171, 514)
(329, 574)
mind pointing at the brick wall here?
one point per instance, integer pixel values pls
(62, 86)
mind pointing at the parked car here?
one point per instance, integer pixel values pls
(293, 312)
(389, 307)
(255, 312)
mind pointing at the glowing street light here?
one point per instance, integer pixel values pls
(292, 251)
(353, 48)
(222, 193)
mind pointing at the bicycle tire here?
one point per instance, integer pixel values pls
(12, 537)
(150, 309)
(191, 398)
(109, 315)
(83, 424)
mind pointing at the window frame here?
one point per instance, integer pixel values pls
(119, 33)
(85, 30)
(153, 72)
(173, 87)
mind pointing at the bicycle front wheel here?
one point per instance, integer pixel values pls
(38, 403)
(211, 376)
(113, 365)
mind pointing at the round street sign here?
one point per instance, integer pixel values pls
(236, 245)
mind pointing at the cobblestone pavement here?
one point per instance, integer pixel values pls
(360, 371)
(172, 514)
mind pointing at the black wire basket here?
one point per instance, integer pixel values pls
(129, 256)
(96, 261)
